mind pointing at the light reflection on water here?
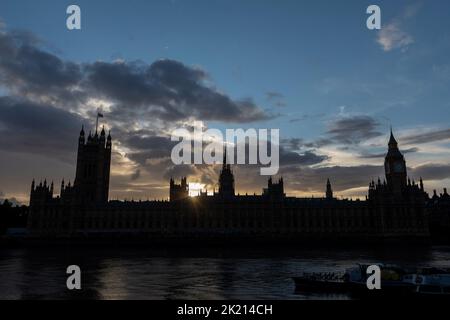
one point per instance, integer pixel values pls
(149, 273)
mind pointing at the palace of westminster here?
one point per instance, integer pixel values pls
(394, 209)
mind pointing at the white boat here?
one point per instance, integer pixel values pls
(395, 280)
(436, 283)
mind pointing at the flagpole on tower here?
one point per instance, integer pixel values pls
(96, 124)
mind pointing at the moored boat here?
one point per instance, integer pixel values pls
(394, 281)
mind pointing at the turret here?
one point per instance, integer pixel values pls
(178, 191)
(102, 135)
(108, 141)
(81, 139)
(226, 179)
(329, 190)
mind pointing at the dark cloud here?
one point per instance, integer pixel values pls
(28, 70)
(307, 117)
(353, 130)
(348, 130)
(122, 188)
(136, 175)
(293, 143)
(209, 180)
(148, 147)
(275, 98)
(39, 70)
(178, 171)
(273, 95)
(382, 155)
(319, 143)
(166, 89)
(305, 159)
(432, 136)
(28, 127)
(292, 152)
(431, 171)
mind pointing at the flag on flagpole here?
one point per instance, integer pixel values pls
(100, 115)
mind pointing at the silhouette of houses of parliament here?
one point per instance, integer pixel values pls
(394, 208)
(91, 185)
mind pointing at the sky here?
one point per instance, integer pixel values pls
(309, 68)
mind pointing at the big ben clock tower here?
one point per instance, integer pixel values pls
(395, 167)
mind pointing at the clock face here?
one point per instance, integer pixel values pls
(398, 167)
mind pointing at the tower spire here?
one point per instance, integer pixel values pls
(329, 191)
(224, 155)
(392, 142)
(96, 125)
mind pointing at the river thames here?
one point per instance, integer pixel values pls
(128, 272)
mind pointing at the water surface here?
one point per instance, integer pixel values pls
(152, 273)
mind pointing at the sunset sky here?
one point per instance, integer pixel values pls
(310, 68)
